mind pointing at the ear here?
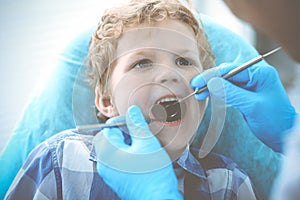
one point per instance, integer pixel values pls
(104, 105)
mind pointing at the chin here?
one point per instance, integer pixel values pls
(175, 149)
(173, 140)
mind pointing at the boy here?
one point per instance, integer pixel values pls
(143, 53)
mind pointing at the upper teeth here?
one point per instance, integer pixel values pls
(168, 99)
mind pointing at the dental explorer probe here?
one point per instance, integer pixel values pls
(234, 72)
(100, 126)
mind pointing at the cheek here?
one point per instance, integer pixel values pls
(202, 107)
(193, 118)
(130, 90)
(190, 73)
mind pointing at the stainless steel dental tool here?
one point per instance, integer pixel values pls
(99, 126)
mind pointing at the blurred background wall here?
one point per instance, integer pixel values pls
(34, 32)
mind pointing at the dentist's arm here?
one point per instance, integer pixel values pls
(142, 170)
(258, 93)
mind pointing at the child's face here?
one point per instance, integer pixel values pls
(153, 64)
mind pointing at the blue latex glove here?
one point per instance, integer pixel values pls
(258, 93)
(142, 170)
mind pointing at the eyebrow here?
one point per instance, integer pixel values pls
(187, 51)
(143, 51)
(138, 54)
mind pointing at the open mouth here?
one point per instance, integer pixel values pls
(168, 110)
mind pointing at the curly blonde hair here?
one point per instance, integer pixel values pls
(104, 41)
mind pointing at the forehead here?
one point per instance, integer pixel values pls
(168, 35)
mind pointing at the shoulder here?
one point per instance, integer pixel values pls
(62, 148)
(47, 149)
(51, 153)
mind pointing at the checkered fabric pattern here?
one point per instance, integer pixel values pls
(64, 167)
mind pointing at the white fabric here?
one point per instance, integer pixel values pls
(287, 185)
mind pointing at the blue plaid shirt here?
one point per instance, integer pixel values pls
(64, 167)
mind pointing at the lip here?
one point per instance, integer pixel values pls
(167, 124)
(172, 124)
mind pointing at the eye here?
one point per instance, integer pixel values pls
(142, 64)
(182, 62)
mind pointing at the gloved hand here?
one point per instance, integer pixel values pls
(142, 170)
(258, 93)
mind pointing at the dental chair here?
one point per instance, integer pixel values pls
(51, 112)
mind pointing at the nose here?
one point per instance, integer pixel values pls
(167, 74)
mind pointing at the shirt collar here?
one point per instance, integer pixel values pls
(89, 142)
(189, 163)
(93, 156)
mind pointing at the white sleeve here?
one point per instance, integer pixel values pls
(287, 185)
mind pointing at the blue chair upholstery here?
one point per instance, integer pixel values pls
(51, 112)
